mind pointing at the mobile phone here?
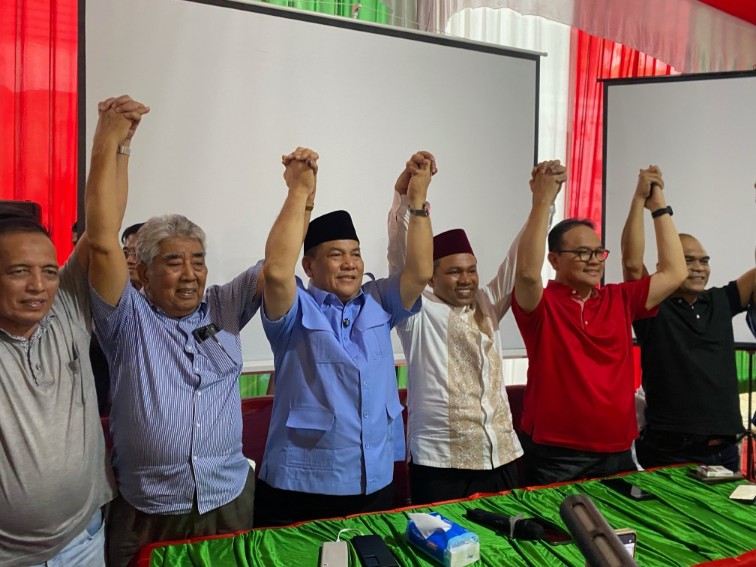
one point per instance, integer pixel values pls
(626, 489)
(628, 538)
(373, 551)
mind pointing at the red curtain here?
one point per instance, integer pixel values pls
(38, 94)
(594, 58)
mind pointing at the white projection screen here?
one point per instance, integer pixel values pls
(700, 129)
(233, 86)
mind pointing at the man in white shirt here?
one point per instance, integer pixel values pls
(461, 439)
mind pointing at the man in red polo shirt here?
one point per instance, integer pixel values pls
(579, 414)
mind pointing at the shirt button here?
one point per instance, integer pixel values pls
(365, 414)
(189, 348)
(37, 366)
(586, 322)
(367, 445)
(364, 383)
(199, 393)
(194, 458)
(198, 424)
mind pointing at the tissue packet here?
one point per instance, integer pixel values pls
(452, 547)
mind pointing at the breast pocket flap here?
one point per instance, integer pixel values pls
(319, 419)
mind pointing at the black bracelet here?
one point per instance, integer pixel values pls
(664, 211)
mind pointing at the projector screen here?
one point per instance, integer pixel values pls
(700, 130)
(234, 86)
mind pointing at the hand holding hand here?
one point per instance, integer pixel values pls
(416, 162)
(129, 109)
(301, 171)
(421, 173)
(547, 179)
(650, 188)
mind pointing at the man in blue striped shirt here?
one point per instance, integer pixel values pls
(336, 427)
(175, 356)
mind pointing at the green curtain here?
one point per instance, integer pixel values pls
(371, 10)
(743, 360)
(257, 384)
(251, 385)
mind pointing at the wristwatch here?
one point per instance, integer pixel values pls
(663, 211)
(422, 212)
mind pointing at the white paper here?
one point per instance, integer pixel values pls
(744, 492)
(428, 524)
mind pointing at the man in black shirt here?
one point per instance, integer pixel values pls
(688, 357)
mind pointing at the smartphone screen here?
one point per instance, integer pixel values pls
(628, 539)
(627, 489)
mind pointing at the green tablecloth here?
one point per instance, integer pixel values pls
(690, 522)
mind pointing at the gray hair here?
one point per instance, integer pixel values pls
(157, 229)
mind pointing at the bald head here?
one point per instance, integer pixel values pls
(699, 269)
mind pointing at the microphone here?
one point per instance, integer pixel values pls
(345, 323)
(593, 535)
(511, 526)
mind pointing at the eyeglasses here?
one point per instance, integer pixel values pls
(129, 252)
(585, 254)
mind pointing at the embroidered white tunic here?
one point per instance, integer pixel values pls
(458, 411)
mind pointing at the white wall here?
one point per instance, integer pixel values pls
(700, 131)
(232, 89)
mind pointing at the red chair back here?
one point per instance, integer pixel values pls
(255, 425)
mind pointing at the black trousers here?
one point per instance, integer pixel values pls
(435, 484)
(547, 464)
(276, 507)
(655, 448)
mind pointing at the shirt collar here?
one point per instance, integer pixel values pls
(322, 297)
(567, 291)
(201, 308)
(700, 298)
(42, 326)
(461, 310)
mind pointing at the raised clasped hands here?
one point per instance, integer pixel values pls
(546, 180)
(121, 117)
(420, 168)
(650, 188)
(301, 171)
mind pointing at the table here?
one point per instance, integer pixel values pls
(689, 523)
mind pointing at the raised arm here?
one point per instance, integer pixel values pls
(633, 242)
(107, 193)
(671, 267)
(546, 181)
(418, 266)
(502, 284)
(398, 217)
(286, 235)
(747, 288)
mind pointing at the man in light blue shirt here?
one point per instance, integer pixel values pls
(174, 354)
(336, 427)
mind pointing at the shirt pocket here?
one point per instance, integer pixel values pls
(375, 334)
(77, 382)
(310, 432)
(394, 409)
(223, 355)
